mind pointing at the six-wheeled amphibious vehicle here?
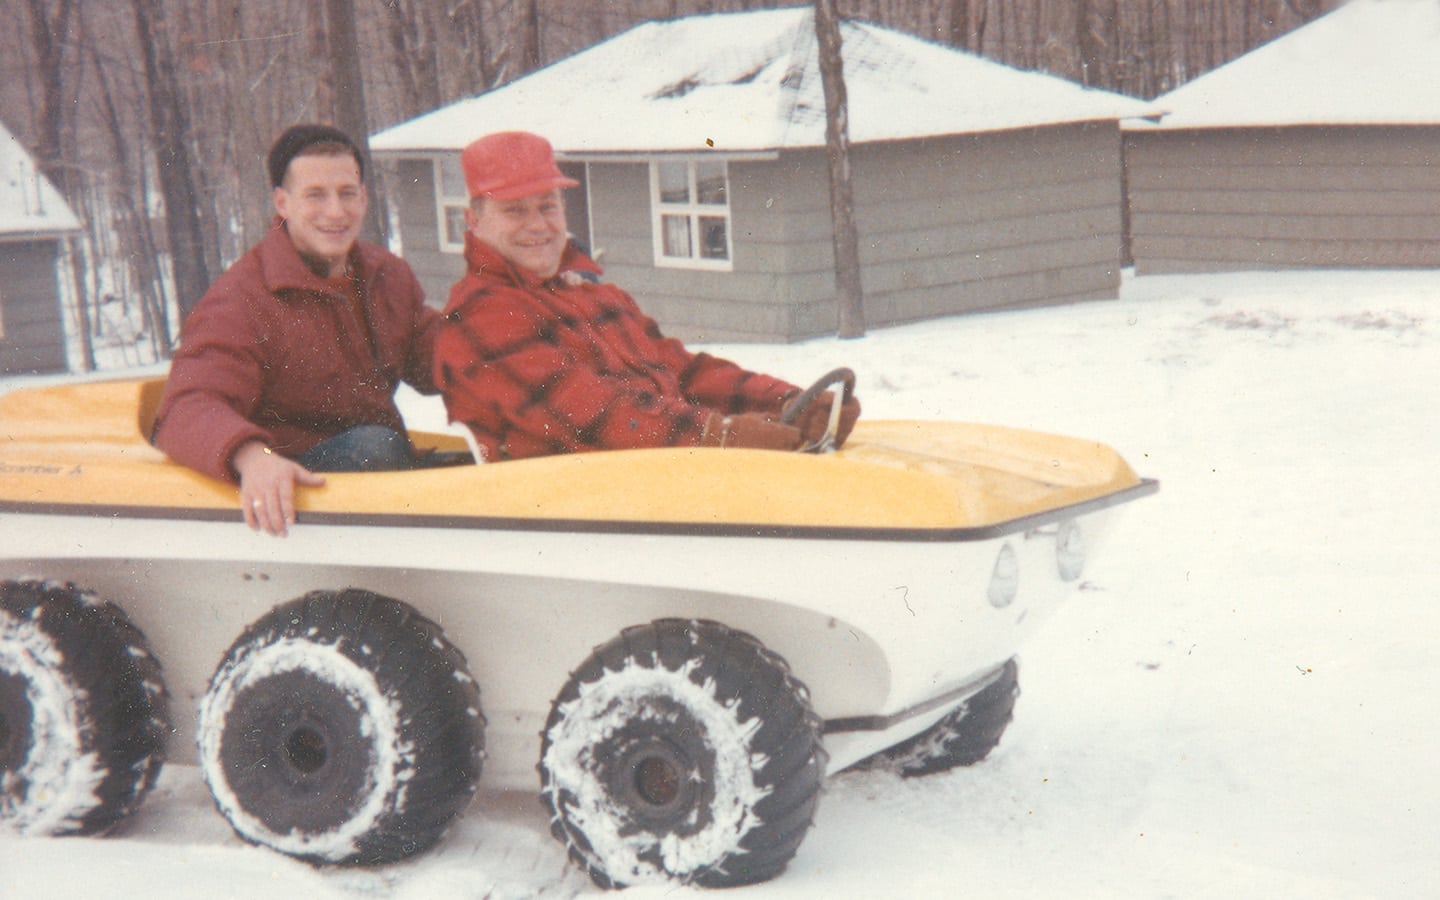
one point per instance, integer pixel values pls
(683, 642)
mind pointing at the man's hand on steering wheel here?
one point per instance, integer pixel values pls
(816, 418)
(824, 417)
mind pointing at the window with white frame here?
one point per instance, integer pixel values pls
(690, 213)
(452, 198)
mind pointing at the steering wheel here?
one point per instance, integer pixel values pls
(802, 401)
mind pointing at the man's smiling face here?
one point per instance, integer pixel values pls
(323, 203)
(529, 232)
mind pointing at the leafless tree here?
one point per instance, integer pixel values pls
(348, 100)
(170, 121)
(413, 55)
(134, 265)
(850, 299)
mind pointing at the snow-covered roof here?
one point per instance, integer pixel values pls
(1370, 62)
(29, 203)
(751, 82)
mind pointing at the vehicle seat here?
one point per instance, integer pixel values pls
(150, 393)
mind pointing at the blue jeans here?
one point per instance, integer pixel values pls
(364, 448)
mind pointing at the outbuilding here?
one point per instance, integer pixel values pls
(700, 146)
(34, 224)
(1319, 149)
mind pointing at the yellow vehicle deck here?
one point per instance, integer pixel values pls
(81, 448)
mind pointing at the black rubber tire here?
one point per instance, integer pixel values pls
(682, 751)
(963, 738)
(83, 712)
(342, 727)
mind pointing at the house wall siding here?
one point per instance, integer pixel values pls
(32, 337)
(947, 225)
(988, 221)
(413, 191)
(753, 301)
(1276, 198)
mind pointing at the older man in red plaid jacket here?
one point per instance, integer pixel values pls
(537, 362)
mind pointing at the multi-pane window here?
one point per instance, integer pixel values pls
(690, 200)
(452, 198)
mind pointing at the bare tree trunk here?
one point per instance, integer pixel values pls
(412, 41)
(349, 100)
(49, 35)
(170, 122)
(138, 254)
(530, 58)
(1057, 25)
(850, 299)
(962, 28)
(1098, 42)
(465, 24)
(241, 151)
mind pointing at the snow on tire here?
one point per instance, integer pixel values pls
(682, 750)
(342, 727)
(83, 712)
(963, 738)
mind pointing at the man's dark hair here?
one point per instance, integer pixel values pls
(300, 139)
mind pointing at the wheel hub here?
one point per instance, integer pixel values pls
(655, 783)
(306, 750)
(14, 722)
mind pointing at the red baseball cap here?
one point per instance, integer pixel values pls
(508, 165)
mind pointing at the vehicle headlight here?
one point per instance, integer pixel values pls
(1070, 550)
(1005, 579)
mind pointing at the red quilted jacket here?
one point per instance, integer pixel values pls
(273, 351)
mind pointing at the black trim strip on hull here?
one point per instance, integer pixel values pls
(1146, 487)
(885, 722)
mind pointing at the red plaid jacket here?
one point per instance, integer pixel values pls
(536, 368)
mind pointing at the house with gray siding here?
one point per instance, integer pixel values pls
(34, 224)
(700, 147)
(1319, 149)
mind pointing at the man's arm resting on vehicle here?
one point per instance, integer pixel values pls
(267, 486)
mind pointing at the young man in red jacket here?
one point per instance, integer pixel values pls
(535, 360)
(289, 363)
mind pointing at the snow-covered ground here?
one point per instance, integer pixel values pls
(1243, 704)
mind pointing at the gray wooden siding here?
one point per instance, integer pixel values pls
(989, 221)
(1274, 198)
(751, 302)
(33, 338)
(947, 225)
(413, 192)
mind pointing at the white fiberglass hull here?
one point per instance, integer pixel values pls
(888, 631)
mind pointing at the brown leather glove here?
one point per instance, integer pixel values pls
(817, 415)
(751, 430)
